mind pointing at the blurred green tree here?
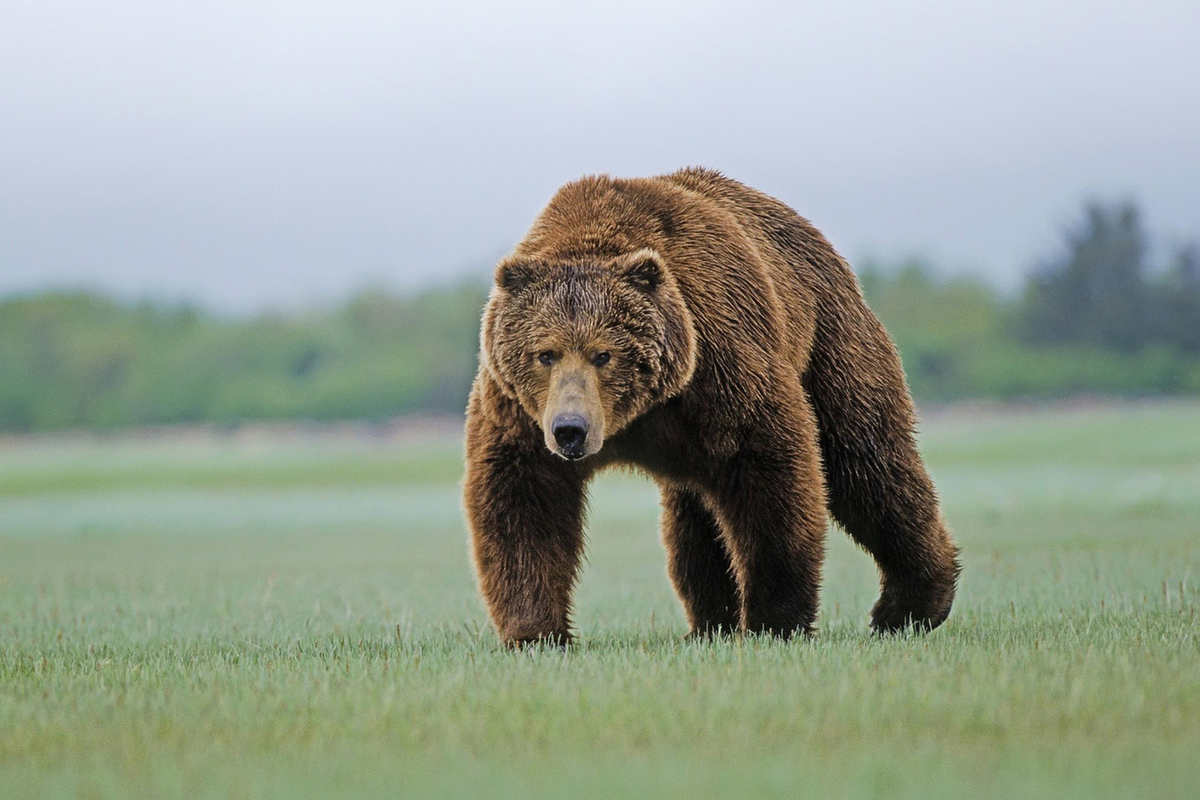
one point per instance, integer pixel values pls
(1096, 292)
(1177, 301)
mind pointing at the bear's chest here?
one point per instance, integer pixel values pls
(670, 444)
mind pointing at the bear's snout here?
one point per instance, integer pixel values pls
(570, 432)
(572, 418)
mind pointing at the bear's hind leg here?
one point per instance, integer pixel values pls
(879, 491)
(890, 509)
(698, 563)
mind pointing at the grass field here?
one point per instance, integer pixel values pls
(294, 617)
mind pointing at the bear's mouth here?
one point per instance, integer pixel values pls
(570, 455)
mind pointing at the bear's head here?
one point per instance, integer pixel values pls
(587, 344)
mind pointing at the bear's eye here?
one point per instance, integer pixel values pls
(600, 359)
(546, 357)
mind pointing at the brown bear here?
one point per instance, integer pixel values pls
(703, 333)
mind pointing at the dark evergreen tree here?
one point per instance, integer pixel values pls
(1177, 301)
(1096, 292)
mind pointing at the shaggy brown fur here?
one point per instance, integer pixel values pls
(702, 332)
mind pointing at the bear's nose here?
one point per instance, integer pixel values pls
(570, 431)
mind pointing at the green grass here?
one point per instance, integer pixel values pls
(241, 617)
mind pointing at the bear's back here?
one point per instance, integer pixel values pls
(805, 273)
(789, 243)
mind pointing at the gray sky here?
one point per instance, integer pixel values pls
(253, 153)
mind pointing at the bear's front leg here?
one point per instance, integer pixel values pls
(525, 509)
(771, 501)
(698, 563)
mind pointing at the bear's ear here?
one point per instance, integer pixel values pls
(513, 275)
(643, 270)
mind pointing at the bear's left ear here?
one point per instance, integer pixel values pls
(642, 269)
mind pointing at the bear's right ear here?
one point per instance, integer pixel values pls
(513, 275)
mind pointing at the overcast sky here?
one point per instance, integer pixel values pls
(252, 153)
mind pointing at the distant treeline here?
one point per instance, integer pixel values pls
(80, 360)
(1095, 319)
